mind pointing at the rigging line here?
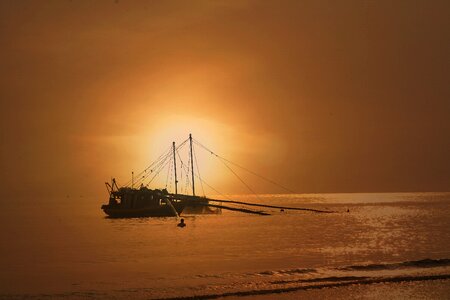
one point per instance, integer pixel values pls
(172, 174)
(186, 168)
(188, 182)
(208, 185)
(198, 170)
(182, 144)
(212, 188)
(246, 185)
(168, 172)
(157, 172)
(169, 186)
(140, 176)
(162, 162)
(162, 156)
(179, 157)
(244, 168)
(182, 169)
(160, 159)
(179, 147)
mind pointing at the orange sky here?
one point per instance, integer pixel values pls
(323, 96)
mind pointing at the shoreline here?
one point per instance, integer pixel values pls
(398, 287)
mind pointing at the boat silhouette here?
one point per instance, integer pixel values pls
(131, 202)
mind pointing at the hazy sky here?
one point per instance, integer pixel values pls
(323, 96)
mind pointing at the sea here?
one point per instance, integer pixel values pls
(368, 246)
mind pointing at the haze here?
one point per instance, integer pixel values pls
(322, 96)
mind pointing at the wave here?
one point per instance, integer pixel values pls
(287, 272)
(321, 279)
(277, 281)
(314, 280)
(278, 290)
(424, 263)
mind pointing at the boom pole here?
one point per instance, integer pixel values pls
(175, 168)
(192, 165)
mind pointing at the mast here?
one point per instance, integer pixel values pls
(175, 168)
(192, 165)
(132, 179)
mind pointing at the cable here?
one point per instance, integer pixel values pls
(243, 182)
(225, 196)
(244, 168)
(157, 172)
(198, 171)
(141, 177)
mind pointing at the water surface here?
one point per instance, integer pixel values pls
(67, 248)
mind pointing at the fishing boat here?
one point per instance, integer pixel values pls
(143, 202)
(130, 202)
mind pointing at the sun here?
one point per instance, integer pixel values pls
(206, 133)
(177, 128)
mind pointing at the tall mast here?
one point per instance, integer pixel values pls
(192, 165)
(175, 168)
(132, 179)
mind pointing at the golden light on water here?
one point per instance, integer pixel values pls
(317, 97)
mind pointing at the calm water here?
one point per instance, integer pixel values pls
(66, 248)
